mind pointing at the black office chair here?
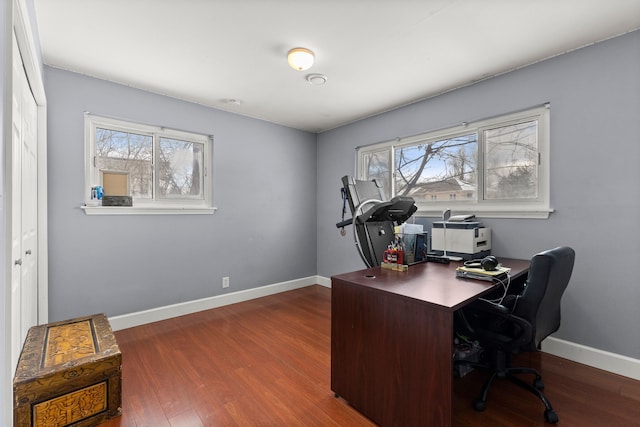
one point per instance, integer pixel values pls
(520, 323)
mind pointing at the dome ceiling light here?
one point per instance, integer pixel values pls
(300, 59)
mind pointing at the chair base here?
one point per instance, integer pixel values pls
(480, 404)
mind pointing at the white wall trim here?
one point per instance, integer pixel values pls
(162, 313)
(611, 362)
(324, 281)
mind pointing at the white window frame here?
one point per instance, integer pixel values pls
(538, 208)
(154, 205)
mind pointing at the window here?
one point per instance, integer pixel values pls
(163, 170)
(497, 167)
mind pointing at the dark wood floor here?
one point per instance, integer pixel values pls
(266, 362)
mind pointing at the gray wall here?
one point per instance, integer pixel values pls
(595, 126)
(264, 231)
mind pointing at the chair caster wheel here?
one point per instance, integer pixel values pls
(537, 383)
(479, 405)
(550, 416)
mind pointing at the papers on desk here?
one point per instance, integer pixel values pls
(500, 273)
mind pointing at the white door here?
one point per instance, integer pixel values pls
(24, 208)
(29, 211)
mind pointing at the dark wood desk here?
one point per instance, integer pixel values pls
(392, 340)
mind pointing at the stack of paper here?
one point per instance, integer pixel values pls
(500, 273)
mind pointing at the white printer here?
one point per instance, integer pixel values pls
(466, 239)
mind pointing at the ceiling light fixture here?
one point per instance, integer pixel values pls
(300, 58)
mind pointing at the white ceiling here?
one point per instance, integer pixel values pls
(377, 54)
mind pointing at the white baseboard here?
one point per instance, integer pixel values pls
(162, 313)
(611, 362)
(324, 281)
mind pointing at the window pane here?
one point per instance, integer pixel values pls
(511, 160)
(131, 153)
(180, 169)
(442, 170)
(376, 166)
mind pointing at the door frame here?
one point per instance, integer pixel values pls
(24, 37)
(18, 18)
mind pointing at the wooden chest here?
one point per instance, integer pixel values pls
(68, 374)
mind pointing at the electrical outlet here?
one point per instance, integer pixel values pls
(225, 282)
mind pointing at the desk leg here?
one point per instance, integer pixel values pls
(391, 357)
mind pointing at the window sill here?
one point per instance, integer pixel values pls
(149, 210)
(514, 213)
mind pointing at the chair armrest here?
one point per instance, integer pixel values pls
(510, 338)
(489, 307)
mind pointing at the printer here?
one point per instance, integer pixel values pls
(466, 239)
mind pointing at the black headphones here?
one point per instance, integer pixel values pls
(489, 263)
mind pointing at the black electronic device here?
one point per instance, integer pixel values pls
(438, 258)
(117, 201)
(422, 247)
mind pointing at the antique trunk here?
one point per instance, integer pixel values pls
(68, 374)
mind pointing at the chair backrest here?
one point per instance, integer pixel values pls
(539, 303)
